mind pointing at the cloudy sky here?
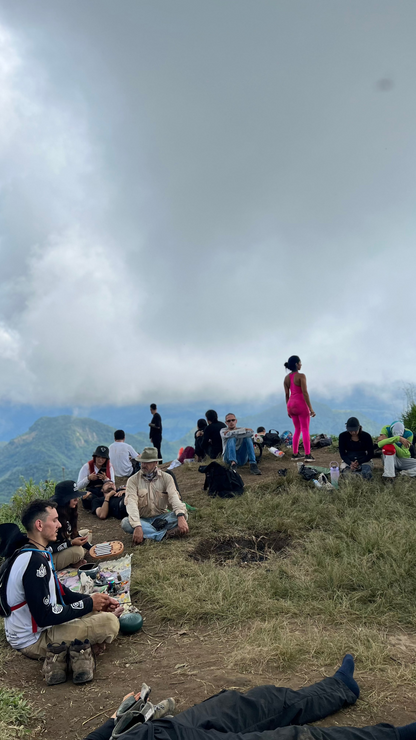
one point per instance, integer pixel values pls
(192, 191)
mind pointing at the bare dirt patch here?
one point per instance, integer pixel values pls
(241, 550)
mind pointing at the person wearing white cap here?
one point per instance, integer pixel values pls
(394, 441)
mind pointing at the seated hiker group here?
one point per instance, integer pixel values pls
(44, 619)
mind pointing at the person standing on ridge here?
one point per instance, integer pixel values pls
(155, 434)
(299, 407)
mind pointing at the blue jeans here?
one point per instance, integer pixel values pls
(245, 451)
(149, 532)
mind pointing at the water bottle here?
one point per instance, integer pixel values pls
(276, 452)
(334, 470)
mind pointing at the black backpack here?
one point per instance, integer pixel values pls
(5, 569)
(221, 482)
(271, 438)
(321, 440)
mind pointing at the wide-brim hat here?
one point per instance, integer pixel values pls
(11, 538)
(102, 451)
(65, 491)
(149, 454)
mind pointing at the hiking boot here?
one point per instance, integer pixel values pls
(308, 458)
(296, 456)
(55, 665)
(82, 661)
(254, 470)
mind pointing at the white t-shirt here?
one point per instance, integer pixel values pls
(121, 455)
(83, 474)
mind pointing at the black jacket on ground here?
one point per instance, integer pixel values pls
(264, 713)
(212, 442)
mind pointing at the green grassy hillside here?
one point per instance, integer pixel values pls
(56, 448)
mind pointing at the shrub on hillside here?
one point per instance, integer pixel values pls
(24, 495)
(409, 415)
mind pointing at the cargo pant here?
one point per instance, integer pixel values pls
(97, 628)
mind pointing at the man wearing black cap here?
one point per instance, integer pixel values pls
(45, 619)
(356, 449)
(93, 474)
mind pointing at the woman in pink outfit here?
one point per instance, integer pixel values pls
(299, 407)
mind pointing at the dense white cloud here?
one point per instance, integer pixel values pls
(192, 192)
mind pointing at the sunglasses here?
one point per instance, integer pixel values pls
(227, 420)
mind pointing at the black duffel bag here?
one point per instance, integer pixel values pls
(271, 438)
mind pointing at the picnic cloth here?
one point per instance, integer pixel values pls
(111, 569)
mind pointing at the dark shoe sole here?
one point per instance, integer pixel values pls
(55, 681)
(82, 678)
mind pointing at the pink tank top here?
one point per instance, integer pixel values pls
(295, 390)
(296, 404)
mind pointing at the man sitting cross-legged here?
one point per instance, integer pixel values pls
(109, 503)
(47, 620)
(263, 713)
(237, 445)
(148, 495)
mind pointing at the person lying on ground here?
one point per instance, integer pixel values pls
(211, 441)
(121, 456)
(148, 495)
(199, 439)
(44, 613)
(69, 547)
(265, 713)
(356, 449)
(97, 470)
(237, 445)
(111, 502)
(395, 441)
(188, 453)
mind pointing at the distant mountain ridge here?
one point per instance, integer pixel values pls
(181, 416)
(56, 448)
(326, 420)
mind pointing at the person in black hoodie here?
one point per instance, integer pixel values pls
(356, 449)
(211, 441)
(199, 439)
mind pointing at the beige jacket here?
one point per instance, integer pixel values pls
(152, 498)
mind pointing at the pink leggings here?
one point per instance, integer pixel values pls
(301, 422)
